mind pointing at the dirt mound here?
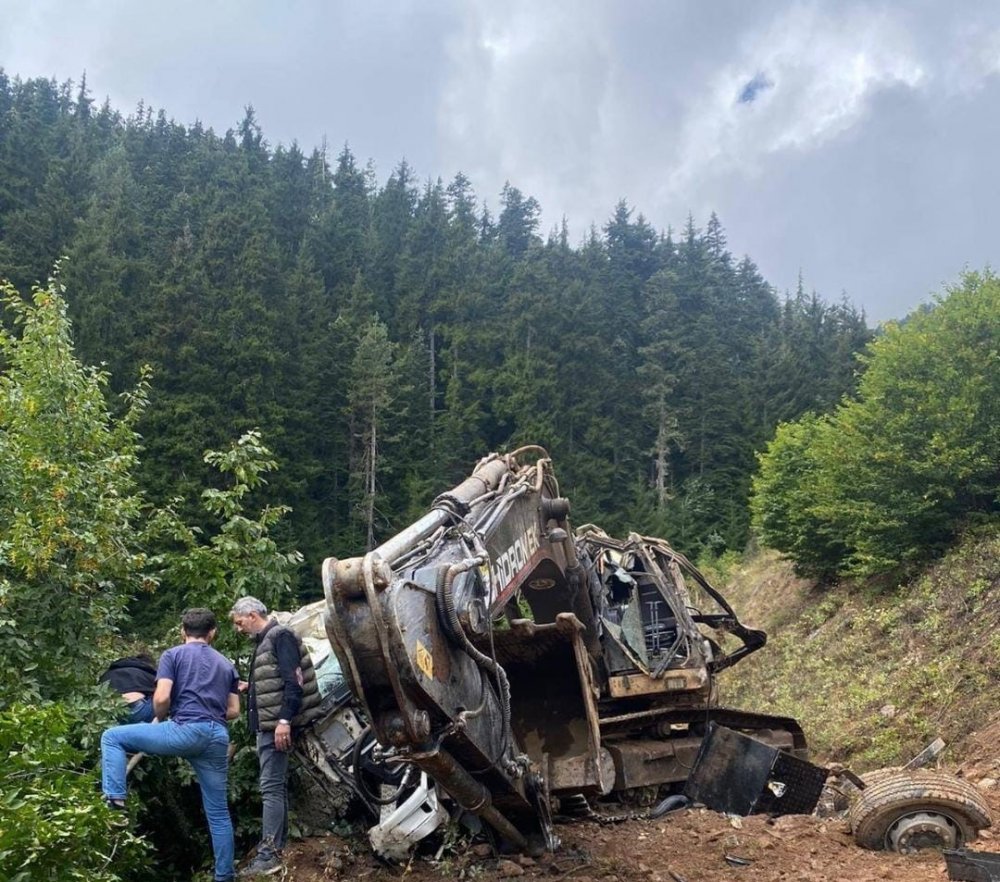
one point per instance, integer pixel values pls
(981, 755)
(693, 845)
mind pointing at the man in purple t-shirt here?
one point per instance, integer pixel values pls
(198, 688)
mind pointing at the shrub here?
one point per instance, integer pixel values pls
(53, 821)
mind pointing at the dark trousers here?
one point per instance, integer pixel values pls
(274, 795)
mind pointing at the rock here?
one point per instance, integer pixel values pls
(507, 868)
(986, 783)
(525, 861)
(482, 850)
(888, 711)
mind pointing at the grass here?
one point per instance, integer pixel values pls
(874, 674)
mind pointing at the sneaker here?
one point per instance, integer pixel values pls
(119, 813)
(261, 866)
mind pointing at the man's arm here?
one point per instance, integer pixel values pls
(161, 698)
(233, 706)
(286, 648)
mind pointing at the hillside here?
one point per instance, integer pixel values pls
(875, 672)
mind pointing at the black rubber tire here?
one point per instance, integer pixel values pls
(893, 796)
(876, 775)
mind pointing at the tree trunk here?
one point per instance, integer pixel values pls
(370, 486)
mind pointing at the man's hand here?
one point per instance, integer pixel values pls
(283, 736)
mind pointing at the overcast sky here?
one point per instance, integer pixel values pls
(855, 142)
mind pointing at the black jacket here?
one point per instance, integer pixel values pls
(130, 675)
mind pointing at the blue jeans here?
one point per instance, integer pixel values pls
(204, 745)
(274, 795)
(140, 711)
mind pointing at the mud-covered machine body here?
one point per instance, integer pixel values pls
(514, 661)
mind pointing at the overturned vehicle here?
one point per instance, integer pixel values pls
(500, 661)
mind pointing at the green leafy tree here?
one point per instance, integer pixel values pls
(783, 503)
(238, 555)
(894, 473)
(70, 557)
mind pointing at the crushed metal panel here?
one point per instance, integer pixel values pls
(740, 775)
(402, 827)
(972, 866)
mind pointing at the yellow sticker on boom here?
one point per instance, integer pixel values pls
(425, 660)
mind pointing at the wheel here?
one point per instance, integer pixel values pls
(907, 811)
(876, 775)
(574, 805)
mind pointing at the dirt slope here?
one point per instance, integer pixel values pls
(691, 845)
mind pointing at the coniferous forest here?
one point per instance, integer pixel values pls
(384, 333)
(223, 360)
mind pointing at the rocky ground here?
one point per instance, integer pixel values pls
(692, 845)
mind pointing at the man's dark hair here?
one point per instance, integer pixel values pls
(198, 621)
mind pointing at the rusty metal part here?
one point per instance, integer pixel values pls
(740, 775)
(645, 762)
(930, 753)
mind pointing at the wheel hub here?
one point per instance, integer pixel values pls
(911, 833)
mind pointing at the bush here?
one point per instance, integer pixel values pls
(53, 821)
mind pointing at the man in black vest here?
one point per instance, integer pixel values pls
(282, 696)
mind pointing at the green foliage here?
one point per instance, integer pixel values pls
(874, 675)
(70, 513)
(889, 478)
(75, 530)
(53, 821)
(239, 555)
(784, 496)
(376, 385)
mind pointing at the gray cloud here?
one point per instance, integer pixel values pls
(861, 155)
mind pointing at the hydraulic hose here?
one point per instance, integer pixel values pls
(445, 602)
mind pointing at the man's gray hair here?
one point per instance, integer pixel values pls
(246, 605)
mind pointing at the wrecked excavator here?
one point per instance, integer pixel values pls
(521, 665)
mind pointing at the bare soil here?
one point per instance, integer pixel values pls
(693, 845)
